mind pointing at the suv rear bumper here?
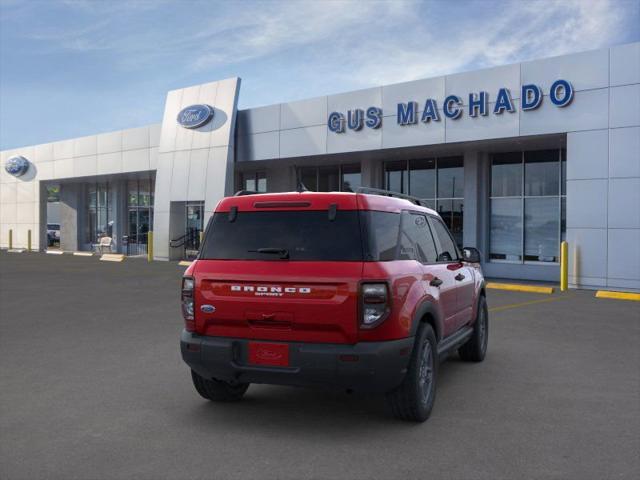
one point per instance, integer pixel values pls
(380, 366)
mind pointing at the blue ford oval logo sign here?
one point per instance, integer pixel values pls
(16, 166)
(195, 116)
(208, 308)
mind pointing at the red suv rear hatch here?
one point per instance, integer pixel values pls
(281, 267)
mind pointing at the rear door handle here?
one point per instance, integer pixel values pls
(436, 282)
(459, 277)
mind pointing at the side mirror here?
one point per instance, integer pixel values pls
(471, 255)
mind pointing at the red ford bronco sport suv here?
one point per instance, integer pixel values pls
(364, 292)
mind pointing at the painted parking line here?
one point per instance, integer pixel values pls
(618, 295)
(530, 302)
(184, 263)
(516, 287)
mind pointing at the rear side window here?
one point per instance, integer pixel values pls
(304, 235)
(447, 250)
(382, 235)
(394, 236)
(416, 242)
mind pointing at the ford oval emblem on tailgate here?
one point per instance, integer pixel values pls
(208, 308)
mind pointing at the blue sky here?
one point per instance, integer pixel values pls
(78, 67)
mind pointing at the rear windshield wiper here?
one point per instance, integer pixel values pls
(283, 252)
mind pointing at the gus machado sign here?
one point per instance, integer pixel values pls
(560, 95)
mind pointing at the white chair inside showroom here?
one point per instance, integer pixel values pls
(104, 243)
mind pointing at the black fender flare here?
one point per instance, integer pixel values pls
(427, 308)
(483, 288)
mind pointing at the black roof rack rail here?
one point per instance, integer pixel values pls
(389, 193)
(242, 193)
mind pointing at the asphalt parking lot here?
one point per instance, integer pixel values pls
(92, 386)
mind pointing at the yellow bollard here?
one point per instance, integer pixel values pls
(564, 266)
(201, 235)
(10, 239)
(29, 240)
(150, 246)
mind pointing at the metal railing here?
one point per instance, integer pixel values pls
(189, 242)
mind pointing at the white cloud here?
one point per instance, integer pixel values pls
(290, 25)
(382, 40)
(521, 31)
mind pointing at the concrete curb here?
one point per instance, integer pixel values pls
(112, 257)
(515, 287)
(635, 297)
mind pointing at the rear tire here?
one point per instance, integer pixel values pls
(217, 390)
(413, 400)
(476, 347)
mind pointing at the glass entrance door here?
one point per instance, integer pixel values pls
(140, 215)
(193, 228)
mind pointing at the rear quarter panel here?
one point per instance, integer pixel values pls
(404, 279)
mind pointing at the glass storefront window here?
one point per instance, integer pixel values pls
(145, 195)
(397, 177)
(254, 182)
(328, 179)
(527, 206)
(309, 178)
(541, 173)
(53, 193)
(506, 229)
(99, 212)
(451, 212)
(140, 214)
(439, 182)
(351, 178)
(541, 227)
(132, 193)
(506, 175)
(422, 180)
(194, 226)
(450, 177)
(563, 172)
(333, 178)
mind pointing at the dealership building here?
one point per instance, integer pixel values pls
(515, 158)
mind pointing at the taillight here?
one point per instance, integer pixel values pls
(187, 303)
(374, 298)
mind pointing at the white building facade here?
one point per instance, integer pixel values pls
(515, 158)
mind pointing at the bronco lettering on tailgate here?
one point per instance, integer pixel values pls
(269, 291)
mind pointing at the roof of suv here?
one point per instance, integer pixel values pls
(318, 201)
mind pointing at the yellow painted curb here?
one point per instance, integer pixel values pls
(112, 257)
(83, 254)
(15, 250)
(184, 263)
(55, 252)
(515, 287)
(618, 295)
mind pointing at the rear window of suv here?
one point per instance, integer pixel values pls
(304, 236)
